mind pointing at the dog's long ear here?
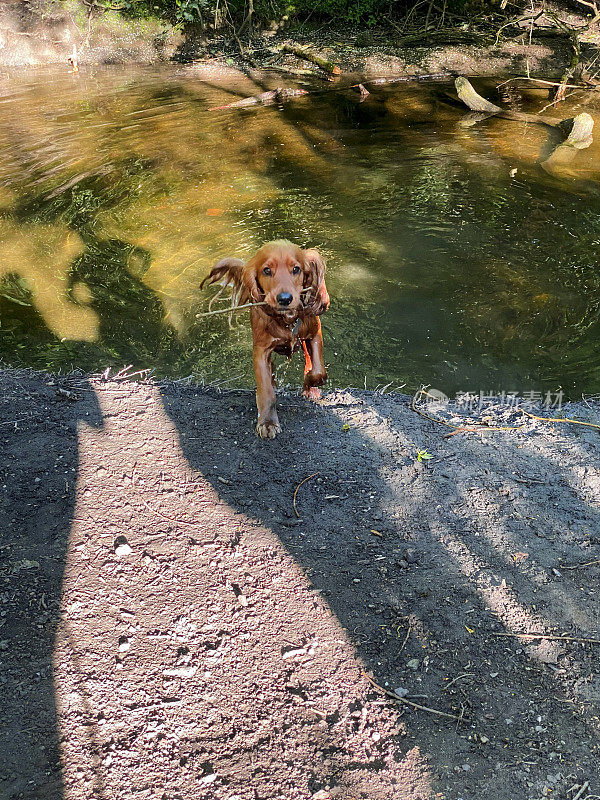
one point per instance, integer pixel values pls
(251, 290)
(228, 272)
(317, 300)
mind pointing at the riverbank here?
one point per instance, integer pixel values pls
(189, 611)
(42, 33)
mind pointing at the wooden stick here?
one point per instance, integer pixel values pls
(229, 309)
(580, 131)
(408, 632)
(410, 703)
(544, 83)
(458, 678)
(296, 492)
(583, 788)
(548, 636)
(263, 99)
(561, 419)
(308, 55)
(575, 566)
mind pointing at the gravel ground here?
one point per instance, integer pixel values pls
(171, 629)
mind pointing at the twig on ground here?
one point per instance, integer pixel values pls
(404, 701)
(408, 632)
(548, 636)
(562, 419)
(458, 678)
(120, 373)
(296, 492)
(515, 21)
(581, 566)
(459, 428)
(582, 789)
(528, 480)
(128, 375)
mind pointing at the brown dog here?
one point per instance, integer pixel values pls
(290, 283)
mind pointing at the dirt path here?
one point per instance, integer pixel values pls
(170, 629)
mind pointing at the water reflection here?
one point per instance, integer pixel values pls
(119, 190)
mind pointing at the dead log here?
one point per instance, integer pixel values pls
(580, 127)
(308, 55)
(475, 102)
(283, 95)
(579, 137)
(263, 99)
(471, 99)
(579, 131)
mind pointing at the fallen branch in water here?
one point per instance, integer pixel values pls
(471, 99)
(578, 130)
(308, 55)
(428, 76)
(263, 99)
(280, 95)
(543, 82)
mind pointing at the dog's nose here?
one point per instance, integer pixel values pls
(284, 298)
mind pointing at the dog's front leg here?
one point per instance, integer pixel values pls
(267, 426)
(315, 373)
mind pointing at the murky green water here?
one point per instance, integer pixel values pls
(120, 189)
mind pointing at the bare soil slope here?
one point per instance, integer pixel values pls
(170, 628)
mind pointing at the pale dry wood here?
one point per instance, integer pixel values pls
(308, 55)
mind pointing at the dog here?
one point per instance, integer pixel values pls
(290, 284)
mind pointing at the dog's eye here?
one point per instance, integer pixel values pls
(296, 270)
(267, 271)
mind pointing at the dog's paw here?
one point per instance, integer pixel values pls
(267, 429)
(311, 393)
